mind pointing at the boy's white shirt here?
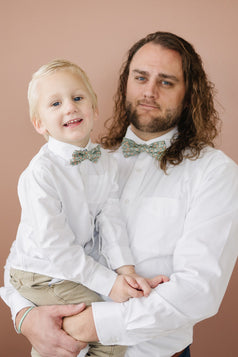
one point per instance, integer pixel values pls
(62, 206)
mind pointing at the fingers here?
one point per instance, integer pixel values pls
(140, 283)
(43, 330)
(133, 293)
(69, 310)
(144, 286)
(131, 281)
(155, 281)
(69, 344)
(140, 286)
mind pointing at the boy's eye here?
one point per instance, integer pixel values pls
(55, 104)
(77, 99)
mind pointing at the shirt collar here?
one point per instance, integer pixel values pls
(166, 137)
(65, 150)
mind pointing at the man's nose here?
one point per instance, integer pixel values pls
(151, 90)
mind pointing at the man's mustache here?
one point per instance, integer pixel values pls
(148, 102)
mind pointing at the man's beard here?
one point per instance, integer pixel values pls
(157, 124)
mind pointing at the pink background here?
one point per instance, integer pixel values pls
(96, 34)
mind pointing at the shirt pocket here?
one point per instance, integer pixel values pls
(158, 223)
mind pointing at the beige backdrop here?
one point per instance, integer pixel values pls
(96, 34)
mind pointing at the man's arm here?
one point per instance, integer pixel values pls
(203, 261)
(82, 327)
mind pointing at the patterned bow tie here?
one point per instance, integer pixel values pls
(81, 155)
(130, 148)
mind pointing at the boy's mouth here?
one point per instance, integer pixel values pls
(73, 122)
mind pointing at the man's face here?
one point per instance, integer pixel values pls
(155, 91)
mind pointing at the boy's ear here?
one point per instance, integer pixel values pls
(38, 125)
(96, 113)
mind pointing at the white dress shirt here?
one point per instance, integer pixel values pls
(183, 224)
(62, 206)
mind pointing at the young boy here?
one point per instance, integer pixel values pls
(68, 195)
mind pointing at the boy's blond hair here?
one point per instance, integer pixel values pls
(53, 66)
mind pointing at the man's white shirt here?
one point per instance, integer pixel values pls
(184, 224)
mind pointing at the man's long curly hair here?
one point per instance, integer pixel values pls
(198, 123)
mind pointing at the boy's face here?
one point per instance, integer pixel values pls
(64, 107)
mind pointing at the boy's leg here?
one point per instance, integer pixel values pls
(98, 350)
(35, 287)
(38, 289)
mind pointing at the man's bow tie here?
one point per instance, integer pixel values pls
(81, 155)
(130, 148)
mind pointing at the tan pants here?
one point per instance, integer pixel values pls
(36, 288)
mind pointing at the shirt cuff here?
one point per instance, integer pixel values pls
(102, 280)
(119, 257)
(104, 313)
(15, 301)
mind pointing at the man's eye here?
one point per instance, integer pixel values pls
(77, 99)
(140, 78)
(166, 83)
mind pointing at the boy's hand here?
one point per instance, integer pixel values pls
(124, 288)
(159, 279)
(145, 284)
(131, 285)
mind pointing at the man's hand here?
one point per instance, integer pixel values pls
(81, 326)
(43, 328)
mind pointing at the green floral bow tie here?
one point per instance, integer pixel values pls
(130, 148)
(81, 155)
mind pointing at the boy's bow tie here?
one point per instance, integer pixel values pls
(81, 155)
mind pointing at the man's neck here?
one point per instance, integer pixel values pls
(146, 136)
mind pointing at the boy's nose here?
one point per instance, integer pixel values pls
(71, 107)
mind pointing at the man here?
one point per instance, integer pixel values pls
(180, 200)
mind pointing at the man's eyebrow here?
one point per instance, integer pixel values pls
(139, 71)
(160, 75)
(168, 76)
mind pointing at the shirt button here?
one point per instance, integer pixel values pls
(127, 201)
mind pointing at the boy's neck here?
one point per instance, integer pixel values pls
(70, 143)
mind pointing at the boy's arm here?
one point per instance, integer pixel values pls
(46, 230)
